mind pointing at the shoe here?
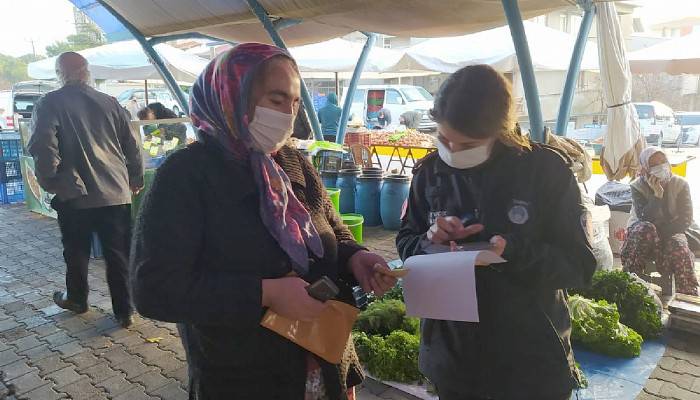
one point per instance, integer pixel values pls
(61, 300)
(125, 321)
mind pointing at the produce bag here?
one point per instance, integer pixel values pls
(326, 336)
(616, 195)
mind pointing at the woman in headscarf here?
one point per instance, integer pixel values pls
(238, 223)
(662, 212)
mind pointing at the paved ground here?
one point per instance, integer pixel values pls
(46, 353)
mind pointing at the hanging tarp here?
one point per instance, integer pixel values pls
(676, 56)
(338, 55)
(319, 19)
(548, 48)
(623, 141)
(126, 61)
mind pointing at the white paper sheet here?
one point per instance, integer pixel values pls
(443, 286)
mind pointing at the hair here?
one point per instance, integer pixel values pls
(477, 101)
(143, 113)
(72, 68)
(160, 111)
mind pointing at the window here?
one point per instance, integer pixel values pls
(359, 97)
(417, 94)
(393, 97)
(564, 23)
(689, 119)
(644, 111)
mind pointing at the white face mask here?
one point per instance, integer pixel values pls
(270, 129)
(661, 171)
(464, 159)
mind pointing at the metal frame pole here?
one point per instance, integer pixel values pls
(567, 96)
(527, 72)
(264, 18)
(158, 62)
(359, 67)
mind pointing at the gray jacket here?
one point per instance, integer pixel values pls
(84, 149)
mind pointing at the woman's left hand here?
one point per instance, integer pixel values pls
(366, 267)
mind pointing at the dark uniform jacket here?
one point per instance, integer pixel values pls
(520, 349)
(200, 252)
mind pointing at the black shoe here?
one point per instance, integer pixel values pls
(125, 321)
(61, 300)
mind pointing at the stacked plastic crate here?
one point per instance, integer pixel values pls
(11, 185)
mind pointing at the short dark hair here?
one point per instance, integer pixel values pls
(161, 111)
(477, 101)
(143, 113)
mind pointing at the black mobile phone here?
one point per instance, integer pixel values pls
(323, 289)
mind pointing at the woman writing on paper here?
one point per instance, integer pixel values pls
(238, 223)
(488, 184)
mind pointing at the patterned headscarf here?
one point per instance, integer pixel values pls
(646, 155)
(219, 109)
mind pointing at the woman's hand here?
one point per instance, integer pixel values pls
(655, 185)
(288, 298)
(446, 229)
(367, 267)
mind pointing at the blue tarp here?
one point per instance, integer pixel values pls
(113, 29)
(617, 378)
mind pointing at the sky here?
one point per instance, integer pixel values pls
(47, 21)
(43, 21)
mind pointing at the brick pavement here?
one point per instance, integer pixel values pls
(47, 353)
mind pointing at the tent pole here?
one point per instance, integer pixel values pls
(337, 85)
(527, 72)
(158, 62)
(345, 115)
(145, 91)
(264, 18)
(567, 96)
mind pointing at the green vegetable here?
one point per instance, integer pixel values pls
(385, 316)
(637, 308)
(396, 136)
(582, 380)
(394, 358)
(395, 293)
(596, 326)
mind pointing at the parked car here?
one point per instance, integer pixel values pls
(690, 127)
(398, 99)
(162, 96)
(25, 95)
(658, 124)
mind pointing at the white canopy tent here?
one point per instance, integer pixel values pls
(127, 61)
(320, 20)
(549, 49)
(676, 56)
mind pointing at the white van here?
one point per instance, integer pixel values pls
(398, 99)
(658, 123)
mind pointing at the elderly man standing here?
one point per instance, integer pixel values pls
(86, 153)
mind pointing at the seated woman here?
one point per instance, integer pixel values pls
(238, 223)
(662, 212)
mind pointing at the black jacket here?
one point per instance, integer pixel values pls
(520, 348)
(200, 252)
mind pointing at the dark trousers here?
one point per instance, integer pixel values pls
(113, 227)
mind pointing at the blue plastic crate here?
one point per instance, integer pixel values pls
(12, 192)
(10, 169)
(10, 148)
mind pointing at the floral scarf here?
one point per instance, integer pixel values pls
(219, 109)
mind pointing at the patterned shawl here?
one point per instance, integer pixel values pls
(219, 109)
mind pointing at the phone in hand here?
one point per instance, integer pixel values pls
(323, 289)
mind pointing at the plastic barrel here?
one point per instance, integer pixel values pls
(329, 178)
(354, 223)
(347, 182)
(372, 171)
(335, 194)
(367, 199)
(394, 193)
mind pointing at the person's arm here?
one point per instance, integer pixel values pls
(168, 280)
(684, 214)
(646, 208)
(131, 147)
(561, 257)
(43, 145)
(412, 236)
